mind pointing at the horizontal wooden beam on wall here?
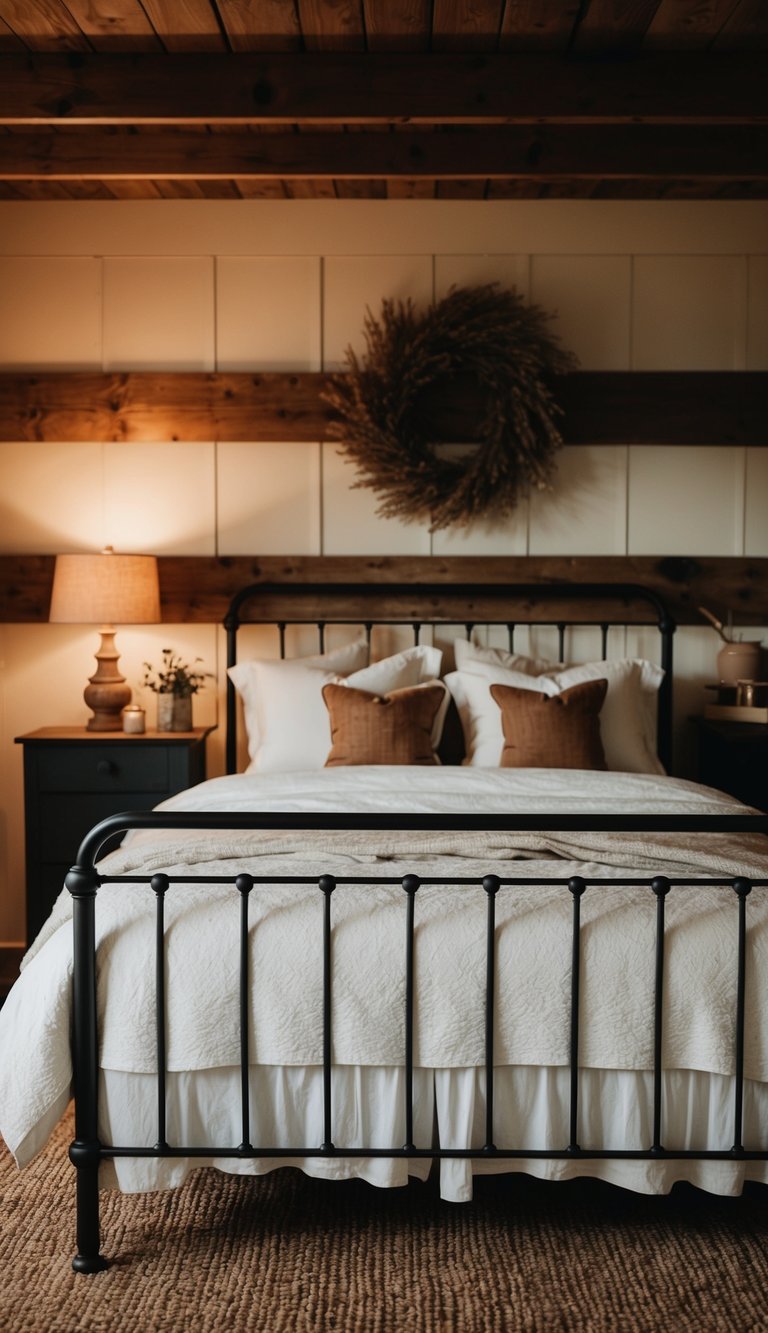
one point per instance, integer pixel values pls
(198, 589)
(601, 152)
(439, 87)
(600, 407)
(162, 406)
(692, 407)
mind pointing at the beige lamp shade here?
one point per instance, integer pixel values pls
(105, 589)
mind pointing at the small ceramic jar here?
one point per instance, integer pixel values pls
(738, 661)
(134, 720)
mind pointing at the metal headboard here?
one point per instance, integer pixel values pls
(435, 604)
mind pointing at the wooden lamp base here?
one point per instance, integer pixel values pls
(107, 692)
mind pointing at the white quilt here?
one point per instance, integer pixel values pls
(534, 941)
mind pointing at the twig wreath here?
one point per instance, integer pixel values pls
(486, 333)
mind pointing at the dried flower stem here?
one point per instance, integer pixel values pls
(715, 623)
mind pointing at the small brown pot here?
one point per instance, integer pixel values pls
(738, 661)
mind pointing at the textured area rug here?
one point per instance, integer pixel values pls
(284, 1252)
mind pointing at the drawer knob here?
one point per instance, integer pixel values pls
(106, 768)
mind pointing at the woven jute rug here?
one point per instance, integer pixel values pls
(284, 1252)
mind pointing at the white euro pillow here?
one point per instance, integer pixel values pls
(245, 677)
(292, 730)
(627, 718)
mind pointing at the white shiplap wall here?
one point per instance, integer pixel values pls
(267, 285)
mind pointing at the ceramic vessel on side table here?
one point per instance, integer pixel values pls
(174, 712)
(738, 661)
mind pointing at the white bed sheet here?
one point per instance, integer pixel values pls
(32, 1093)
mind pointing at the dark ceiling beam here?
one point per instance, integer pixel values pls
(592, 152)
(343, 87)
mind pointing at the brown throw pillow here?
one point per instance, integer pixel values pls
(394, 728)
(552, 731)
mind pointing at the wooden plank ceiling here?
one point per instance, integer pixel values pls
(115, 99)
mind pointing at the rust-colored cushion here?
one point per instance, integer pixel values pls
(552, 730)
(394, 728)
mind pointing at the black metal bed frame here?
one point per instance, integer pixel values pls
(83, 881)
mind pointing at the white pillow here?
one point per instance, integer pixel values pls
(466, 651)
(245, 676)
(292, 727)
(627, 718)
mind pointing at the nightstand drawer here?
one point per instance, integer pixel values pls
(103, 768)
(67, 819)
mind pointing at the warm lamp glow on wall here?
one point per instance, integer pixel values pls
(105, 590)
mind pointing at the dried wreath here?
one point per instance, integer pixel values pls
(486, 333)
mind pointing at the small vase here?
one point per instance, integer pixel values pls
(174, 712)
(738, 661)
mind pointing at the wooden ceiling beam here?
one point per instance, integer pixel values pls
(540, 153)
(348, 87)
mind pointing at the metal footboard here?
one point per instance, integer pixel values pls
(83, 882)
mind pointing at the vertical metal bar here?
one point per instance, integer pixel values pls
(231, 742)
(604, 641)
(410, 885)
(561, 642)
(281, 632)
(231, 625)
(468, 628)
(660, 886)
(416, 633)
(368, 633)
(85, 1152)
(321, 635)
(664, 704)
(742, 888)
(159, 885)
(244, 884)
(327, 884)
(511, 636)
(491, 885)
(576, 887)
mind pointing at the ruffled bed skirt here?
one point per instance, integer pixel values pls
(531, 1111)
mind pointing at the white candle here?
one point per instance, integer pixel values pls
(134, 720)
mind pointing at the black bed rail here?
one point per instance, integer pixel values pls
(84, 880)
(437, 605)
(410, 823)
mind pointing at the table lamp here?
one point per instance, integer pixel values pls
(105, 589)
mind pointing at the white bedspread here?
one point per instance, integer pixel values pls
(534, 941)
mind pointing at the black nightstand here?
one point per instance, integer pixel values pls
(733, 756)
(73, 778)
